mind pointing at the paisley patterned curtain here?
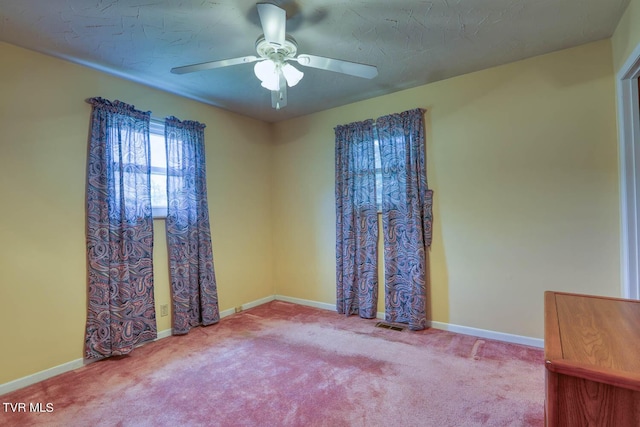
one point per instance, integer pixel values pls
(193, 282)
(406, 216)
(121, 310)
(356, 220)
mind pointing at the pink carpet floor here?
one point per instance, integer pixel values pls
(282, 364)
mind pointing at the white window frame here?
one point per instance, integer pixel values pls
(378, 172)
(156, 129)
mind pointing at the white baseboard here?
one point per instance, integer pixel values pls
(57, 370)
(40, 376)
(164, 334)
(78, 363)
(492, 335)
(481, 333)
(226, 313)
(247, 306)
(306, 302)
(258, 302)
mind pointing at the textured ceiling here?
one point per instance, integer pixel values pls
(411, 42)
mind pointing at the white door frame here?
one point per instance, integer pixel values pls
(629, 151)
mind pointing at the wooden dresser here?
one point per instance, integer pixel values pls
(592, 356)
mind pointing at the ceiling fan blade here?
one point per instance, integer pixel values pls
(279, 97)
(214, 64)
(273, 21)
(338, 66)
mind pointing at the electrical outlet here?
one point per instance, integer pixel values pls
(164, 310)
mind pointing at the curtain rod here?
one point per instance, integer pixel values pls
(151, 118)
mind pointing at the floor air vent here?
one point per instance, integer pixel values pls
(385, 325)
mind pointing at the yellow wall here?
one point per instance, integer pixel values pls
(523, 162)
(522, 159)
(44, 124)
(627, 35)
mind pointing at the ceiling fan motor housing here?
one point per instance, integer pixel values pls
(277, 53)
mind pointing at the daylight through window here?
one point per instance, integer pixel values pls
(378, 162)
(158, 169)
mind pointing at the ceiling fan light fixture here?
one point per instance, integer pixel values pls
(275, 48)
(267, 72)
(292, 74)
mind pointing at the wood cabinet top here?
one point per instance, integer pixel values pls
(593, 337)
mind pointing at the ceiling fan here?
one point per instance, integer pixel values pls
(275, 50)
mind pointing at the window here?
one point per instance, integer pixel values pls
(158, 148)
(376, 150)
(363, 170)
